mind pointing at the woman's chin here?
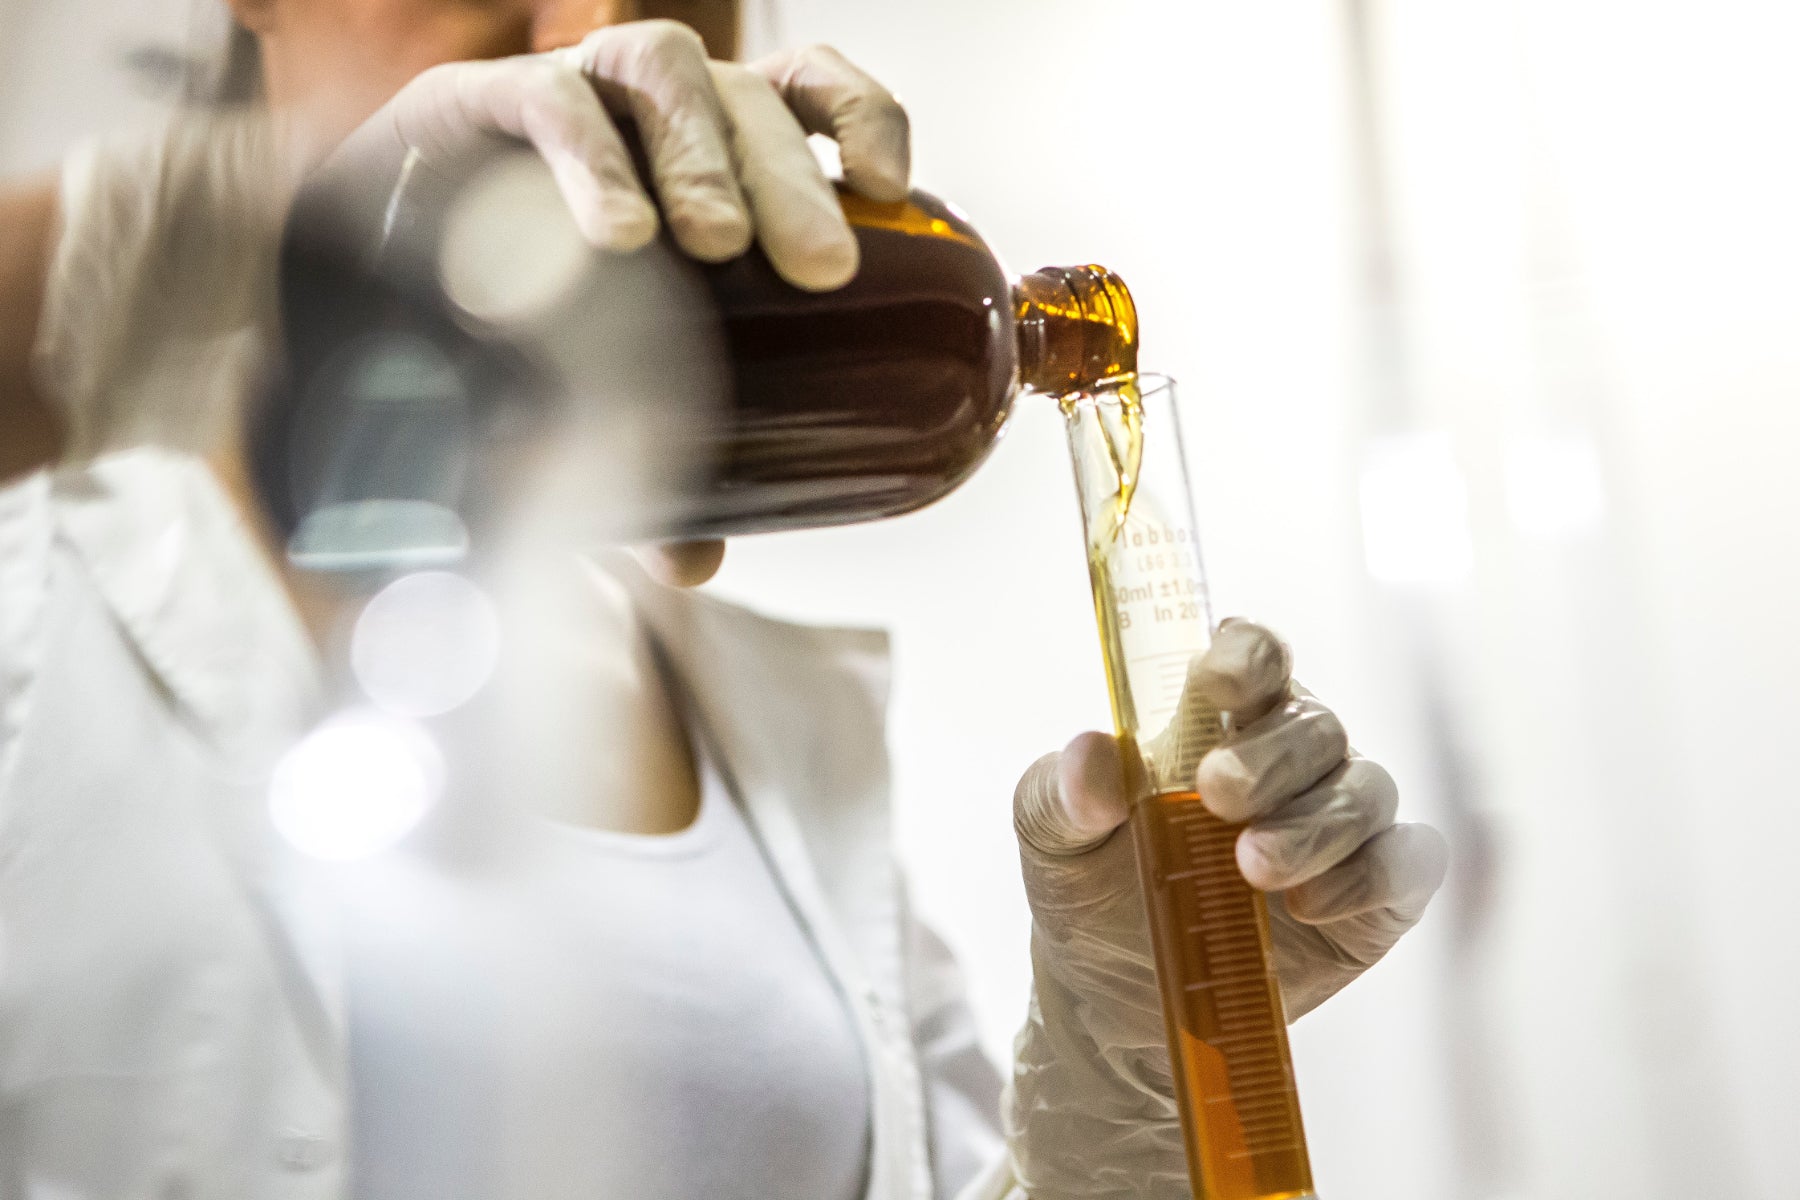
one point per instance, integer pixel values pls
(682, 564)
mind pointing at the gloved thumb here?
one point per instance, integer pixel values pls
(1090, 944)
(1068, 803)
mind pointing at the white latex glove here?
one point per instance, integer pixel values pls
(1090, 1109)
(726, 143)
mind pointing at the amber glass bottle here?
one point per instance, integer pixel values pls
(885, 395)
(838, 407)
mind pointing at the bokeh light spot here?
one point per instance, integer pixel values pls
(425, 644)
(511, 249)
(355, 786)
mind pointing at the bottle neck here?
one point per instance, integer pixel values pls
(1077, 327)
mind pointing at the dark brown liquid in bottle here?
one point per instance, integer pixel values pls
(868, 401)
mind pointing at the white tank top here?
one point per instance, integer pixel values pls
(613, 1015)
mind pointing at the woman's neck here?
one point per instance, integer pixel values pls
(586, 716)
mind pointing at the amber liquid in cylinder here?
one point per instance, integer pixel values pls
(1227, 1032)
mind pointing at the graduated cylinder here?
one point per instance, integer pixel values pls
(1227, 1033)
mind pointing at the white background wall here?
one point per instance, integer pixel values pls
(1593, 204)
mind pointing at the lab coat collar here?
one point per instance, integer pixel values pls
(180, 574)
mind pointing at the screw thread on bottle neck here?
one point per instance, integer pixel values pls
(1077, 328)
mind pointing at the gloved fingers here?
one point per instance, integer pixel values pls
(657, 72)
(1273, 760)
(1393, 876)
(798, 218)
(1068, 803)
(550, 104)
(1320, 828)
(832, 96)
(682, 564)
(1245, 672)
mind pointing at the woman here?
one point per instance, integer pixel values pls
(174, 1019)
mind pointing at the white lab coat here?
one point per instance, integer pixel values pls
(170, 1019)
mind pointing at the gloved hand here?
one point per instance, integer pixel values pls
(726, 143)
(1090, 1109)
